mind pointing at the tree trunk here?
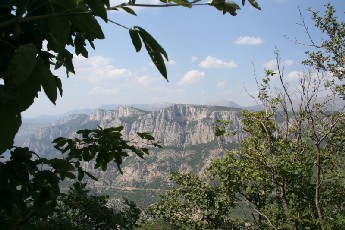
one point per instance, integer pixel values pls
(317, 188)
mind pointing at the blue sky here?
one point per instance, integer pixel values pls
(211, 56)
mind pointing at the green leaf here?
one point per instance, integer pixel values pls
(135, 39)
(115, 129)
(43, 197)
(106, 3)
(84, 132)
(21, 154)
(219, 132)
(184, 3)
(79, 43)
(88, 25)
(254, 4)
(155, 51)
(69, 175)
(91, 176)
(46, 177)
(65, 58)
(139, 153)
(98, 8)
(22, 63)
(61, 164)
(80, 174)
(59, 85)
(104, 167)
(20, 7)
(59, 31)
(48, 81)
(91, 44)
(225, 6)
(129, 10)
(10, 121)
(145, 150)
(28, 91)
(146, 136)
(7, 94)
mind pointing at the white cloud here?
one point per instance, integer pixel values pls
(194, 59)
(288, 62)
(143, 80)
(228, 93)
(117, 73)
(171, 62)
(247, 40)
(221, 84)
(294, 75)
(272, 64)
(213, 62)
(191, 77)
(98, 69)
(102, 91)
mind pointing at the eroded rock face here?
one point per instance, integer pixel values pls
(185, 131)
(178, 126)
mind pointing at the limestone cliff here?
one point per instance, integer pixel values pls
(185, 131)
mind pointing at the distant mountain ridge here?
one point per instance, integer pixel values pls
(225, 103)
(145, 107)
(173, 125)
(185, 131)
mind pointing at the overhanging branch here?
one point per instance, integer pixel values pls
(20, 19)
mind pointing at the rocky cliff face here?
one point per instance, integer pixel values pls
(178, 126)
(185, 131)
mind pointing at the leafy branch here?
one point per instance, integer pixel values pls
(225, 6)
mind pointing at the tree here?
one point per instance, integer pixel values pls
(78, 209)
(328, 55)
(84, 211)
(194, 204)
(29, 184)
(130, 214)
(156, 224)
(289, 170)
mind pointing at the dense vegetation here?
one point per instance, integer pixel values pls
(30, 192)
(289, 172)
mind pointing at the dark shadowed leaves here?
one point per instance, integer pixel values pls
(155, 51)
(22, 63)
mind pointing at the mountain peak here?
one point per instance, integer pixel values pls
(224, 102)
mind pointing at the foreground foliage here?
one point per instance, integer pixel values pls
(80, 210)
(288, 173)
(37, 36)
(30, 185)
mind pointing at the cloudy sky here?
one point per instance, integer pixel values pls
(211, 56)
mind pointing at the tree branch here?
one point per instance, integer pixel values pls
(166, 5)
(21, 19)
(17, 20)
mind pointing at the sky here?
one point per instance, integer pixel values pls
(212, 56)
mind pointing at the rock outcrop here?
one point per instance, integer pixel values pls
(185, 131)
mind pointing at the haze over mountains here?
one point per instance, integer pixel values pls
(147, 107)
(185, 131)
